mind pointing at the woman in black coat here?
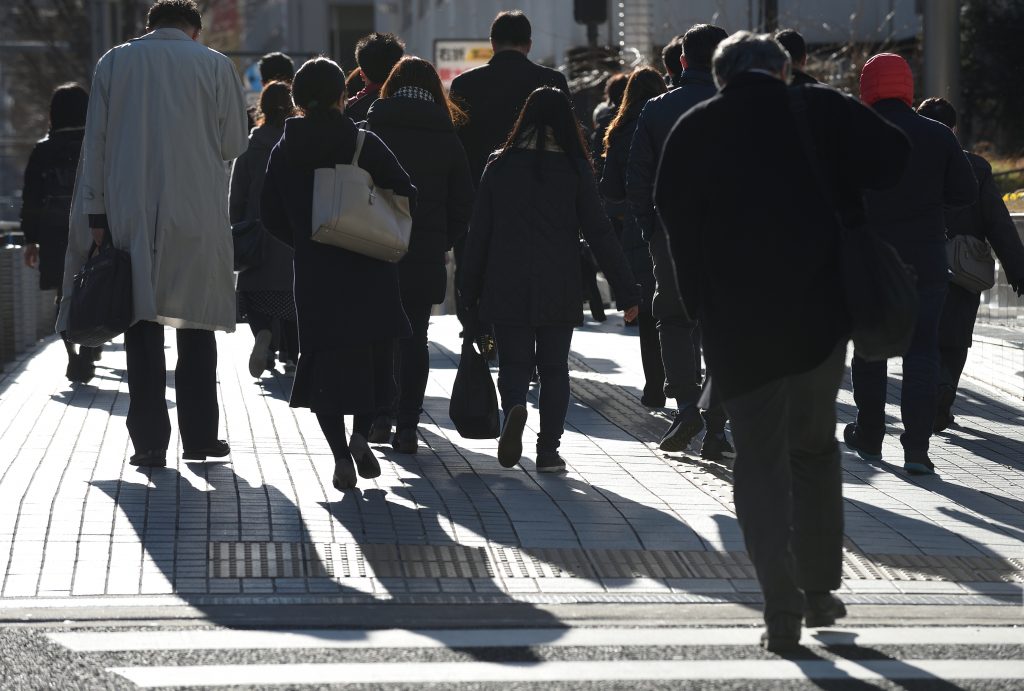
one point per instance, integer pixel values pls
(348, 305)
(643, 85)
(264, 291)
(417, 122)
(521, 268)
(46, 205)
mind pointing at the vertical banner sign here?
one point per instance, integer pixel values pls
(454, 56)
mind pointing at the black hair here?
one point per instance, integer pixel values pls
(318, 85)
(548, 111)
(938, 109)
(511, 28)
(670, 55)
(276, 104)
(174, 13)
(377, 54)
(794, 44)
(615, 87)
(68, 106)
(276, 67)
(699, 44)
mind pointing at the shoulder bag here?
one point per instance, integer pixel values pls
(352, 213)
(101, 296)
(971, 262)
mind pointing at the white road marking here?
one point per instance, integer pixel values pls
(645, 670)
(221, 639)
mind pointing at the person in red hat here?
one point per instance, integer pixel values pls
(910, 217)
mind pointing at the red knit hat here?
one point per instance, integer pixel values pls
(886, 75)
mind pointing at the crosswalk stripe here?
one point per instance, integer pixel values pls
(199, 639)
(648, 670)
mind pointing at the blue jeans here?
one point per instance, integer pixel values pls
(920, 379)
(520, 349)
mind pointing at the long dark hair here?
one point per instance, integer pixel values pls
(68, 106)
(643, 85)
(546, 112)
(412, 71)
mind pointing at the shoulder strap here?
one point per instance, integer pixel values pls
(360, 138)
(798, 107)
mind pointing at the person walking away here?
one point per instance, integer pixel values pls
(644, 84)
(775, 262)
(46, 206)
(670, 59)
(276, 67)
(677, 331)
(492, 96)
(793, 41)
(989, 220)
(522, 264)
(910, 217)
(376, 54)
(349, 305)
(605, 112)
(415, 119)
(153, 178)
(264, 291)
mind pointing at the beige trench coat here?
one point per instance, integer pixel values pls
(165, 114)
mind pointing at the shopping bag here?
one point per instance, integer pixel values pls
(474, 403)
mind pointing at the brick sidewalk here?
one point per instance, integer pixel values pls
(628, 523)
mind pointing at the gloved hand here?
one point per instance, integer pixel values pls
(1018, 287)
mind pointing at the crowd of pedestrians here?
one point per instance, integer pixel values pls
(501, 171)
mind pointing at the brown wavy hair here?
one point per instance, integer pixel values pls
(275, 104)
(412, 71)
(643, 85)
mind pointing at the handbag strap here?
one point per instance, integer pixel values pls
(360, 138)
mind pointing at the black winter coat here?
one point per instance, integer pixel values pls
(521, 263)
(422, 137)
(342, 298)
(492, 95)
(275, 270)
(909, 215)
(613, 189)
(756, 264)
(46, 200)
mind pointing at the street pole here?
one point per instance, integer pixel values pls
(941, 19)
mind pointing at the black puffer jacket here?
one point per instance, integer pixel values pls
(522, 260)
(46, 200)
(422, 137)
(275, 270)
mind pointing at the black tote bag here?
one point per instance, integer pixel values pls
(101, 296)
(474, 403)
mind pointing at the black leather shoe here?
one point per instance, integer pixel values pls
(652, 401)
(344, 474)
(406, 441)
(218, 449)
(684, 428)
(550, 462)
(867, 450)
(782, 634)
(366, 462)
(918, 463)
(149, 459)
(380, 430)
(715, 447)
(822, 609)
(510, 445)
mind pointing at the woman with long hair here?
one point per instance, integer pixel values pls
(643, 85)
(521, 265)
(415, 118)
(265, 291)
(348, 305)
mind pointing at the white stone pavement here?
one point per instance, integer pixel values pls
(627, 523)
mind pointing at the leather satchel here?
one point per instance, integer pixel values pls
(351, 212)
(971, 262)
(101, 296)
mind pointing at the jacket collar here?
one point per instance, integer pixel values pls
(695, 77)
(753, 79)
(508, 56)
(166, 34)
(891, 105)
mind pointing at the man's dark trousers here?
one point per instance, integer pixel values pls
(195, 385)
(788, 483)
(920, 379)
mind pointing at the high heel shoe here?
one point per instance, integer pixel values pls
(344, 474)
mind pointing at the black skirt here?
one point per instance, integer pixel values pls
(339, 381)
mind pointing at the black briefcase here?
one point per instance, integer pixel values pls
(101, 296)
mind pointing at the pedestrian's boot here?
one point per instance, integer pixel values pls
(154, 458)
(510, 445)
(550, 462)
(868, 450)
(918, 463)
(684, 428)
(260, 353)
(716, 447)
(822, 609)
(344, 474)
(782, 633)
(218, 449)
(366, 462)
(406, 440)
(380, 430)
(81, 368)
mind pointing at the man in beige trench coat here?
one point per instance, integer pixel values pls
(166, 114)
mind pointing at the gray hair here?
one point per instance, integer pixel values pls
(744, 51)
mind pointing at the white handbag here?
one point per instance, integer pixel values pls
(350, 212)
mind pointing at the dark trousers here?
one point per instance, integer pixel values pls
(286, 333)
(590, 287)
(650, 357)
(680, 353)
(920, 379)
(788, 483)
(520, 349)
(952, 362)
(195, 385)
(413, 363)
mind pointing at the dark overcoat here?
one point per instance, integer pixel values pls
(758, 262)
(342, 298)
(522, 262)
(421, 135)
